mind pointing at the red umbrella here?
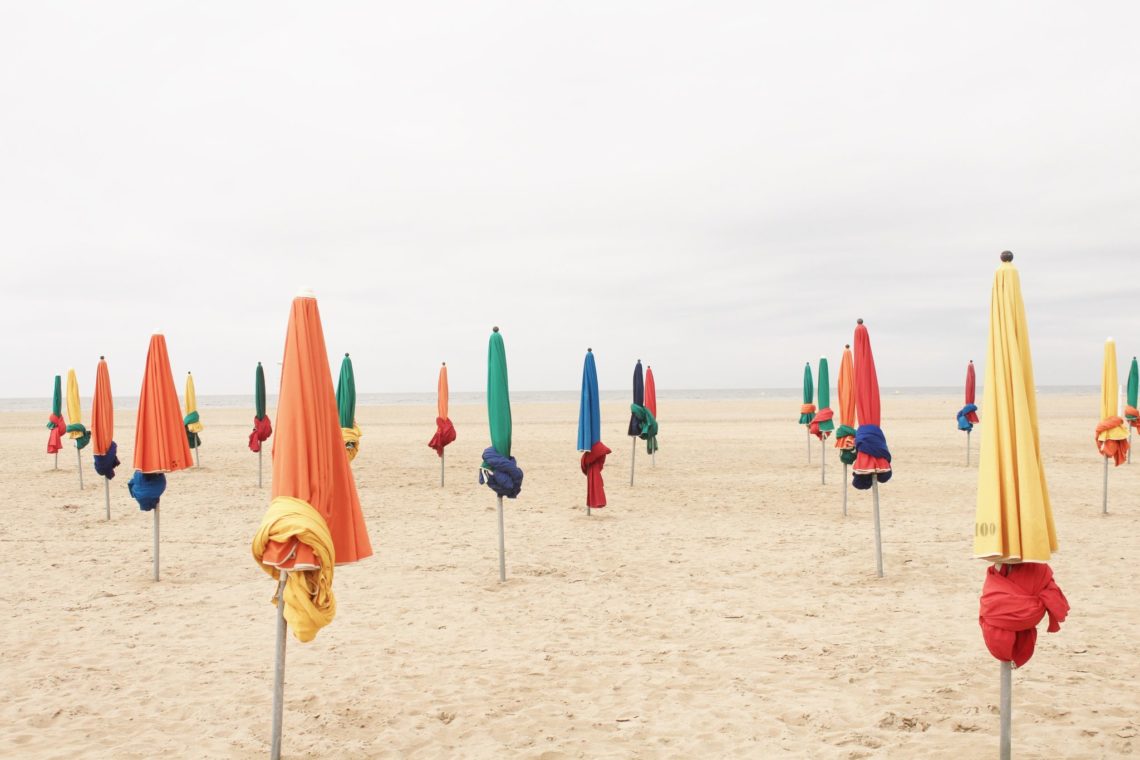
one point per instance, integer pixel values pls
(651, 403)
(872, 457)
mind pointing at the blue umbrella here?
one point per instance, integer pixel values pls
(590, 435)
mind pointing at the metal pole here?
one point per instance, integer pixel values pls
(155, 511)
(279, 671)
(878, 535)
(107, 495)
(632, 459)
(1104, 506)
(442, 454)
(822, 463)
(502, 550)
(845, 489)
(1006, 709)
(259, 468)
(809, 446)
(79, 458)
(653, 457)
(56, 461)
(1129, 461)
(968, 447)
(197, 461)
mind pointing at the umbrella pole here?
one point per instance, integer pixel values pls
(107, 495)
(197, 462)
(878, 533)
(822, 463)
(279, 671)
(56, 461)
(845, 489)
(968, 448)
(155, 511)
(442, 455)
(1104, 505)
(632, 459)
(79, 458)
(809, 446)
(259, 468)
(502, 551)
(653, 456)
(1129, 446)
(1006, 709)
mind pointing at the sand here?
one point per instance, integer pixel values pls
(723, 607)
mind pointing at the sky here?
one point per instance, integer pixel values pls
(717, 188)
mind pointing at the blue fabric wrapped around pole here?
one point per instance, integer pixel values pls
(105, 464)
(500, 473)
(869, 440)
(963, 417)
(146, 488)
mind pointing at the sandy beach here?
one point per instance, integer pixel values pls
(722, 607)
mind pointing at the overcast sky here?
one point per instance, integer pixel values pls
(717, 188)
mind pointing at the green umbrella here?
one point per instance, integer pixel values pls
(824, 426)
(261, 426)
(809, 392)
(498, 395)
(55, 423)
(259, 393)
(346, 406)
(1130, 412)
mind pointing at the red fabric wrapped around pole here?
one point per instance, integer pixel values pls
(1013, 603)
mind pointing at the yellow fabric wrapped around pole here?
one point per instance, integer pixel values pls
(351, 437)
(1014, 518)
(309, 601)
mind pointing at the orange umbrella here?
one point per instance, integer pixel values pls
(845, 433)
(103, 429)
(160, 441)
(314, 521)
(444, 430)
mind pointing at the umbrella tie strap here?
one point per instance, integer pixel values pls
(807, 411)
(1132, 416)
(262, 429)
(967, 417)
(592, 463)
(873, 458)
(106, 462)
(821, 424)
(1012, 605)
(444, 434)
(351, 438)
(1112, 439)
(146, 488)
(308, 595)
(80, 434)
(55, 437)
(646, 426)
(501, 474)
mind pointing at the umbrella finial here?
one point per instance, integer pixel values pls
(859, 321)
(101, 357)
(445, 364)
(1007, 256)
(847, 345)
(495, 328)
(346, 354)
(589, 350)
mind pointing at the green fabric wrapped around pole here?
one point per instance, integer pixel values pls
(498, 395)
(809, 393)
(1133, 386)
(847, 456)
(259, 393)
(346, 394)
(823, 378)
(57, 398)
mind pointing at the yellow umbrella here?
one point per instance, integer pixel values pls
(192, 420)
(1112, 432)
(1014, 521)
(75, 429)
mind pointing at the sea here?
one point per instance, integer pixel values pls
(245, 400)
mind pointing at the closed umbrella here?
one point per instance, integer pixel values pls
(1111, 433)
(444, 430)
(590, 444)
(634, 422)
(499, 470)
(55, 424)
(968, 414)
(872, 457)
(192, 420)
(1131, 413)
(262, 427)
(346, 408)
(314, 521)
(807, 409)
(160, 435)
(75, 429)
(103, 431)
(845, 433)
(821, 424)
(643, 420)
(1013, 525)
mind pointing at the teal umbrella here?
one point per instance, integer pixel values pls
(346, 407)
(807, 410)
(1131, 413)
(822, 424)
(262, 428)
(499, 470)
